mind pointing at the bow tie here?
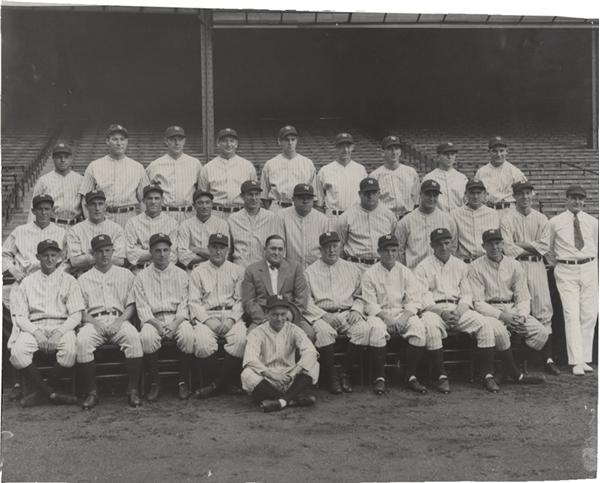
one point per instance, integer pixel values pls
(273, 267)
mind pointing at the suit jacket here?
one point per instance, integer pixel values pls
(256, 287)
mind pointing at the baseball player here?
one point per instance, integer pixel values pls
(46, 310)
(472, 219)
(280, 363)
(109, 307)
(160, 292)
(499, 175)
(63, 185)
(140, 228)
(413, 230)
(193, 233)
(362, 224)
(119, 177)
(574, 246)
(282, 173)
(249, 228)
(177, 174)
(526, 234)
(399, 182)
(216, 311)
(79, 237)
(335, 307)
(338, 181)
(302, 226)
(223, 175)
(452, 182)
(499, 288)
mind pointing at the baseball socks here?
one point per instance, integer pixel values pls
(185, 374)
(87, 371)
(549, 365)
(378, 369)
(328, 377)
(209, 369)
(486, 367)
(511, 370)
(33, 375)
(351, 357)
(134, 371)
(437, 358)
(413, 357)
(151, 365)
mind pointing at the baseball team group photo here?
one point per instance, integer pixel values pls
(304, 246)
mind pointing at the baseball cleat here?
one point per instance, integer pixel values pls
(270, 405)
(206, 391)
(90, 401)
(379, 387)
(552, 369)
(134, 400)
(153, 392)
(491, 385)
(31, 399)
(303, 401)
(526, 379)
(183, 391)
(442, 385)
(416, 386)
(345, 382)
(58, 398)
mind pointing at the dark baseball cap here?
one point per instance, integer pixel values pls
(475, 183)
(388, 141)
(369, 184)
(496, 141)
(101, 241)
(218, 239)
(158, 238)
(199, 193)
(344, 137)
(521, 185)
(439, 234)
(286, 131)
(94, 194)
(328, 237)
(576, 190)
(493, 234)
(250, 185)
(277, 301)
(446, 148)
(62, 148)
(113, 128)
(152, 187)
(227, 132)
(303, 189)
(430, 185)
(47, 245)
(41, 199)
(387, 240)
(174, 131)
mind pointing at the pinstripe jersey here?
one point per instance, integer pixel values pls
(106, 291)
(249, 233)
(452, 184)
(413, 234)
(177, 178)
(280, 174)
(224, 177)
(212, 286)
(532, 228)
(302, 233)
(444, 280)
(140, 228)
(359, 229)
(156, 291)
(470, 225)
(79, 237)
(194, 233)
(64, 192)
(399, 188)
(122, 181)
(337, 185)
(498, 181)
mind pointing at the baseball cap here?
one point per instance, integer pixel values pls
(475, 183)
(100, 241)
(287, 130)
(227, 132)
(218, 239)
(152, 187)
(439, 234)
(390, 141)
(328, 237)
(576, 190)
(199, 193)
(62, 148)
(250, 185)
(344, 137)
(369, 184)
(174, 131)
(47, 245)
(113, 128)
(493, 234)
(277, 301)
(521, 185)
(496, 141)
(446, 148)
(303, 189)
(94, 194)
(387, 240)
(159, 237)
(430, 185)
(41, 199)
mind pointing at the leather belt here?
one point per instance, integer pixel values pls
(165, 312)
(500, 301)
(143, 265)
(529, 258)
(335, 311)
(337, 212)
(447, 301)
(367, 261)
(501, 205)
(106, 312)
(226, 209)
(120, 209)
(221, 307)
(64, 221)
(469, 260)
(284, 204)
(576, 262)
(184, 209)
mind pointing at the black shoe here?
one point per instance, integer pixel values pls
(415, 385)
(552, 368)
(90, 401)
(31, 399)
(526, 379)
(153, 393)
(379, 387)
(303, 401)
(234, 390)
(442, 385)
(491, 385)
(270, 405)
(16, 393)
(58, 398)
(334, 384)
(183, 391)
(134, 400)
(206, 391)
(345, 382)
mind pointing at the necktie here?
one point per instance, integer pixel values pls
(577, 233)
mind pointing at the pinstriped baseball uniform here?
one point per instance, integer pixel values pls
(64, 191)
(46, 302)
(216, 292)
(302, 233)
(399, 188)
(337, 185)
(107, 292)
(534, 229)
(452, 184)
(178, 179)
(505, 281)
(140, 228)
(79, 237)
(470, 225)
(249, 233)
(194, 233)
(498, 181)
(280, 174)
(413, 232)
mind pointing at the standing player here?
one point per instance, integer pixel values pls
(399, 182)
(413, 230)
(526, 234)
(338, 181)
(282, 173)
(177, 174)
(574, 244)
(224, 175)
(119, 177)
(452, 183)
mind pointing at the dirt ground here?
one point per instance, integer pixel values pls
(523, 433)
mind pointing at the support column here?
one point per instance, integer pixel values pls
(206, 59)
(593, 131)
